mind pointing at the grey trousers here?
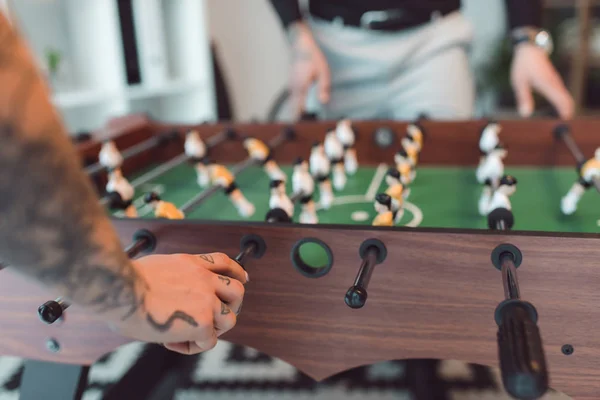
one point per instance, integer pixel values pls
(399, 75)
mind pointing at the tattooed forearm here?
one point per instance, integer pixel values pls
(52, 227)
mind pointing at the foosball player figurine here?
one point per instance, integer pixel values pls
(195, 149)
(489, 138)
(383, 206)
(588, 172)
(221, 176)
(500, 210)
(416, 133)
(397, 192)
(302, 182)
(320, 168)
(259, 151)
(346, 135)
(162, 209)
(489, 172)
(335, 152)
(412, 149)
(279, 198)
(120, 192)
(405, 167)
(109, 156)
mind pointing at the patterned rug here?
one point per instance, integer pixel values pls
(231, 372)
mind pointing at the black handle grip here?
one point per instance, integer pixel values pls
(522, 359)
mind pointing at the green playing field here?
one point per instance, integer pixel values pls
(439, 198)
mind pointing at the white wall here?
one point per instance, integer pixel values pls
(253, 51)
(255, 54)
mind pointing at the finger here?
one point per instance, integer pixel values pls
(324, 84)
(191, 348)
(524, 97)
(229, 291)
(222, 264)
(299, 94)
(225, 318)
(550, 86)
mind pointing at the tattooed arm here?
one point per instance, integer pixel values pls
(53, 229)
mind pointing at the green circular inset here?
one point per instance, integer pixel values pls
(312, 257)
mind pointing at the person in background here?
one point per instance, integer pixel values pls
(402, 58)
(54, 231)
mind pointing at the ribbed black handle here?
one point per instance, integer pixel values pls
(522, 360)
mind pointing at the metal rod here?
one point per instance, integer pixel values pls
(577, 154)
(136, 247)
(238, 168)
(509, 277)
(169, 165)
(245, 253)
(572, 146)
(205, 194)
(128, 153)
(366, 268)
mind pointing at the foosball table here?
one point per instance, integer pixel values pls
(515, 287)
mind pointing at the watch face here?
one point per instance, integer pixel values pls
(544, 40)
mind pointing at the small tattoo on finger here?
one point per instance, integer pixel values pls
(226, 280)
(207, 258)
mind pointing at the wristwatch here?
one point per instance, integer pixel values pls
(535, 36)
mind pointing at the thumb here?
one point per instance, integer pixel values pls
(524, 97)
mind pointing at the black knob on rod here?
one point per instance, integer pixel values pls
(51, 311)
(372, 252)
(250, 245)
(143, 241)
(520, 350)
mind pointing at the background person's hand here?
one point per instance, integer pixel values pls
(190, 301)
(533, 70)
(309, 65)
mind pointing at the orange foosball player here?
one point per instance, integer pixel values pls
(163, 209)
(259, 151)
(220, 175)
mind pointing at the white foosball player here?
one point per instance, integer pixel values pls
(109, 156)
(320, 168)
(501, 197)
(335, 152)
(489, 172)
(121, 193)
(346, 135)
(279, 198)
(588, 172)
(195, 149)
(303, 183)
(489, 138)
